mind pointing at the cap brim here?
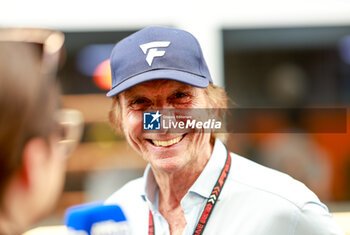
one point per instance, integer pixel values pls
(175, 75)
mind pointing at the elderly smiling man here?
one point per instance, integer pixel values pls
(193, 184)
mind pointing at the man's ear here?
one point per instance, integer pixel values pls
(34, 155)
(115, 115)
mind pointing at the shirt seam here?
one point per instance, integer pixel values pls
(294, 223)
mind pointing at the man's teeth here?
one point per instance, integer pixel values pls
(166, 143)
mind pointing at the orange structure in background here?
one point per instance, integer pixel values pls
(338, 147)
(102, 75)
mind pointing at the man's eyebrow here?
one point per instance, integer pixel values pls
(130, 94)
(135, 97)
(183, 88)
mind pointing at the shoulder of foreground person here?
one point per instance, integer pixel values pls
(284, 195)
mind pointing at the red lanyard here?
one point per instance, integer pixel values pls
(210, 202)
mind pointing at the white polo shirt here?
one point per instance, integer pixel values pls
(255, 200)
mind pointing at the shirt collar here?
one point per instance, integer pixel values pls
(209, 176)
(150, 187)
(203, 185)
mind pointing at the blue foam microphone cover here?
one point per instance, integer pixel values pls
(96, 219)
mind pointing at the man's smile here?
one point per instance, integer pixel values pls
(166, 143)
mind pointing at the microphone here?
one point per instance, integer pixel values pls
(96, 219)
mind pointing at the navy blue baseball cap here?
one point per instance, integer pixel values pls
(157, 53)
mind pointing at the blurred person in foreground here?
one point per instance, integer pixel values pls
(32, 152)
(190, 173)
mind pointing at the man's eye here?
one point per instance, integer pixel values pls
(180, 98)
(179, 95)
(139, 101)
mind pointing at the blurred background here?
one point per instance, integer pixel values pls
(265, 54)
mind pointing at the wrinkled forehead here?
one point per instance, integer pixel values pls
(155, 87)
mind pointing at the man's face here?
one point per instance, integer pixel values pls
(164, 151)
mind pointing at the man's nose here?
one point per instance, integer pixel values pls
(162, 104)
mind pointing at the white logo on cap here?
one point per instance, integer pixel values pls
(151, 47)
